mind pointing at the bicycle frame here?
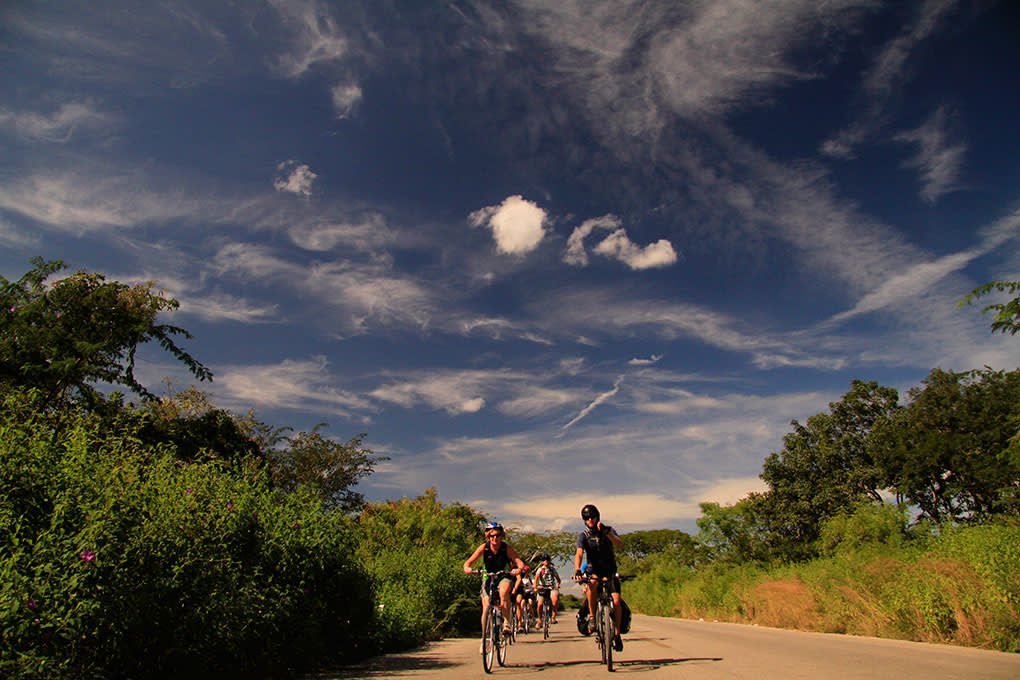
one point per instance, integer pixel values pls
(546, 610)
(494, 643)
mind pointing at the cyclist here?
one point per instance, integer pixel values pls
(598, 540)
(498, 556)
(546, 578)
(526, 595)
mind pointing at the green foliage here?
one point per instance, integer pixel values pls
(869, 524)
(950, 452)
(645, 551)
(825, 467)
(529, 545)
(79, 331)
(1007, 314)
(330, 469)
(121, 560)
(960, 585)
(412, 550)
(736, 533)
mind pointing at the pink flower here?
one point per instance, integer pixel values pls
(88, 556)
(32, 605)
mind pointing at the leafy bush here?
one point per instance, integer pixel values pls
(120, 560)
(413, 550)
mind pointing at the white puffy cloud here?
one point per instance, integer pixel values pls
(576, 254)
(517, 225)
(617, 245)
(294, 178)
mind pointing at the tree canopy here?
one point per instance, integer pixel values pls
(1007, 314)
(66, 337)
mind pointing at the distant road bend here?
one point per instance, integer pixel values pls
(695, 650)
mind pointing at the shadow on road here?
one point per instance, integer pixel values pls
(385, 667)
(624, 665)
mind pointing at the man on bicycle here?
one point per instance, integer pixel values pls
(598, 541)
(546, 578)
(498, 557)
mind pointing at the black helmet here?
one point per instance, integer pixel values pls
(544, 557)
(590, 511)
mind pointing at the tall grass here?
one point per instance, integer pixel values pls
(959, 587)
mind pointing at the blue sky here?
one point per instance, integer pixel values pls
(540, 253)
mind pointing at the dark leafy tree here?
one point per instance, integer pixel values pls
(332, 469)
(66, 337)
(1007, 314)
(951, 451)
(825, 466)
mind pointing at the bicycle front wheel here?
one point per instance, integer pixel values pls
(546, 616)
(502, 641)
(488, 641)
(608, 635)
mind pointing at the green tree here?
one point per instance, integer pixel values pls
(950, 451)
(733, 533)
(66, 337)
(825, 466)
(529, 545)
(1007, 314)
(332, 469)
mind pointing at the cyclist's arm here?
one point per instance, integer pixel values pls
(474, 558)
(518, 562)
(578, 557)
(613, 537)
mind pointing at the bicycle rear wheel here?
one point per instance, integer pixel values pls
(488, 641)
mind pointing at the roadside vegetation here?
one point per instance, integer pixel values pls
(161, 536)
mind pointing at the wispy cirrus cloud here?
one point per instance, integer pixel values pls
(316, 36)
(938, 160)
(68, 119)
(290, 384)
(885, 78)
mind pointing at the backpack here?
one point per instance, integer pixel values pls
(582, 618)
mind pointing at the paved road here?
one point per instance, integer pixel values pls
(694, 650)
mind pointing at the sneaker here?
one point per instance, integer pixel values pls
(591, 625)
(618, 643)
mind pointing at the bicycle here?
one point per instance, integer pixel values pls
(605, 618)
(494, 643)
(546, 608)
(526, 622)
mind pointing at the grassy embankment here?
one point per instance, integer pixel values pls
(960, 587)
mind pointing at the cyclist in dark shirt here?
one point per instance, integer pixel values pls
(599, 540)
(498, 557)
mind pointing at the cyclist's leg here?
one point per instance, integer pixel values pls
(618, 616)
(593, 598)
(504, 600)
(554, 596)
(485, 606)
